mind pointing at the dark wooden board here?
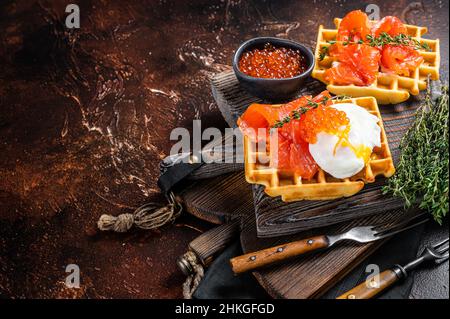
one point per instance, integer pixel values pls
(310, 276)
(223, 198)
(218, 199)
(275, 217)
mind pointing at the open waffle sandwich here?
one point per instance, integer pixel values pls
(387, 88)
(322, 186)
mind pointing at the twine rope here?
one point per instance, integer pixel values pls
(193, 280)
(148, 216)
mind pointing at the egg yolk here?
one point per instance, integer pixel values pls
(361, 151)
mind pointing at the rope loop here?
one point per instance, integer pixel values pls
(148, 216)
(192, 281)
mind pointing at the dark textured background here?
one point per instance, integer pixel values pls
(85, 118)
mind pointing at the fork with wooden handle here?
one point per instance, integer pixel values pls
(377, 284)
(361, 234)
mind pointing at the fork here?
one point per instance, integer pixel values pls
(373, 286)
(360, 234)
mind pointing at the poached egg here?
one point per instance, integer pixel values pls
(347, 152)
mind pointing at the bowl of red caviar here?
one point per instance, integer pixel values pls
(272, 68)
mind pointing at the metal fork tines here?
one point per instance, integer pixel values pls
(437, 253)
(365, 234)
(440, 250)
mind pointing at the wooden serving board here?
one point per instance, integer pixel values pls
(275, 217)
(220, 199)
(308, 276)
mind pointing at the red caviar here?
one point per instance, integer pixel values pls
(322, 119)
(272, 62)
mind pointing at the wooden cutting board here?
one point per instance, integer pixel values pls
(312, 275)
(275, 217)
(220, 199)
(223, 198)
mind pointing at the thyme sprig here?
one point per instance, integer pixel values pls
(422, 174)
(400, 39)
(296, 114)
(383, 39)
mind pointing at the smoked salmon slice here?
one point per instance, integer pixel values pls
(354, 27)
(291, 152)
(390, 25)
(293, 156)
(256, 117)
(400, 59)
(264, 116)
(301, 160)
(343, 74)
(357, 64)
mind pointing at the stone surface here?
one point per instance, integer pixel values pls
(432, 281)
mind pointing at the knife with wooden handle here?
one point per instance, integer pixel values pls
(373, 287)
(360, 234)
(272, 255)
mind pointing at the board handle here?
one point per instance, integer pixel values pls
(373, 287)
(206, 246)
(275, 254)
(209, 244)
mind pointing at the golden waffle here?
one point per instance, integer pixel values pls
(387, 88)
(323, 186)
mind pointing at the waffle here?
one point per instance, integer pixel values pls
(322, 186)
(387, 88)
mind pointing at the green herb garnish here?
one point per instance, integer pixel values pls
(296, 114)
(383, 39)
(422, 174)
(401, 39)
